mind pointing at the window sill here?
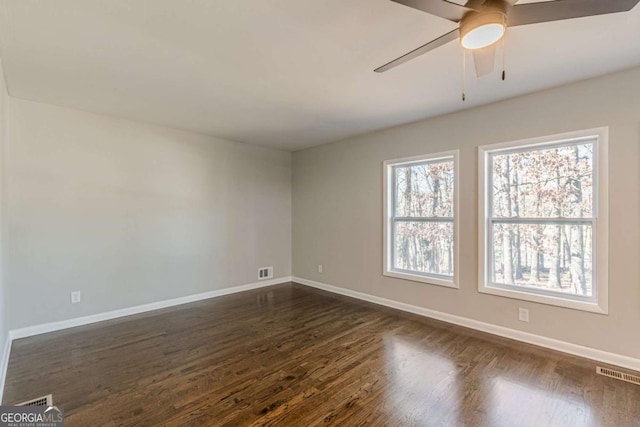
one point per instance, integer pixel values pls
(423, 279)
(593, 307)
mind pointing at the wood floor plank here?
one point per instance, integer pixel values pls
(292, 355)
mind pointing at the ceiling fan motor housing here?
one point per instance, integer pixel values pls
(492, 12)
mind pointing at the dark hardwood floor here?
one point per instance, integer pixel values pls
(292, 355)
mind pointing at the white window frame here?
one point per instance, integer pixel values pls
(388, 209)
(599, 302)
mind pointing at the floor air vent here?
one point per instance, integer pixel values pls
(39, 401)
(633, 379)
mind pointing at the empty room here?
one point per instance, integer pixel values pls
(314, 213)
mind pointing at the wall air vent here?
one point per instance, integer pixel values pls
(265, 273)
(39, 401)
(633, 379)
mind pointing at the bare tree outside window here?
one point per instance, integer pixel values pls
(541, 216)
(422, 218)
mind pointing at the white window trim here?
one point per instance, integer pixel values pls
(600, 231)
(387, 208)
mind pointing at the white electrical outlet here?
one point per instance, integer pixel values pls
(319, 268)
(523, 315)
(75, 297)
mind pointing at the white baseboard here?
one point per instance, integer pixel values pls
(85, 320)
(565, 347)
(4, 364)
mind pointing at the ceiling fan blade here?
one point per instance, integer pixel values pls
(485, 60)
(533, 13)
(442, 8)
(442, 40)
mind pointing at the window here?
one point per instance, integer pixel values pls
(420, 230)
(543, 220)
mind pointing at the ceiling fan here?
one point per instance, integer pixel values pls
(482, 23)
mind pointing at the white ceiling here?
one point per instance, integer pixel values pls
(282, 73)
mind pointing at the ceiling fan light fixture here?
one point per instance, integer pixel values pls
(479, 30)
(483, 36)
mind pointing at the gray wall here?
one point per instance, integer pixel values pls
(4, 131)
(129, 213)
(337, 208)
